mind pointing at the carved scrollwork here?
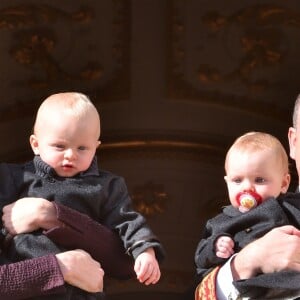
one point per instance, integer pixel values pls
(149, 199)
(35, 41)
(260, 40)
(53, 47)
(240, 58)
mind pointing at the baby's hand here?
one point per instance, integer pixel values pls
(224, 246)
(146, 267)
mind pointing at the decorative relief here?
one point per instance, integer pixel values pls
(28, 15)
(240, 58)
(36, 39)
(35, 50)
(261, 42)
(149, 199)
(56, 47)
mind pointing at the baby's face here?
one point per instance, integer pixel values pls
(67, 143)
(258, 172)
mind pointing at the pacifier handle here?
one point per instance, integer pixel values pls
(248, 200)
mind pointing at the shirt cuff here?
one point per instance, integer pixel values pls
(224, 288)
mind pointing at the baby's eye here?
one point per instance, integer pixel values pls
(82, 148)
(260, 180)
(59, 146)
(237, 180)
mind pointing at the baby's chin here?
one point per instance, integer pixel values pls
(66, 172)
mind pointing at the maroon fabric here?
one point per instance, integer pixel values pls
(81, 232)
(30, 278)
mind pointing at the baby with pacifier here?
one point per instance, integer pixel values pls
(256, 168)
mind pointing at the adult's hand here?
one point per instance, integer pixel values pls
(276, 251)
(29, 214)
(79, 269)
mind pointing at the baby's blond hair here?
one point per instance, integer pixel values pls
(258, 141)
(74, 103)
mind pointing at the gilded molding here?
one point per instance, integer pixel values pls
(253, 41)
(168, 149)
(44, 37)
(208, 151)
(36, 38)
(149, 199)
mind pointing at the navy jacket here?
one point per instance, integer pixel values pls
(99, 194)
(245, 228)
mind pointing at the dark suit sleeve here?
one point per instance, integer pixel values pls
(104, 245)
(290, 203)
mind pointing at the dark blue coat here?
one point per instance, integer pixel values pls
(245, 228)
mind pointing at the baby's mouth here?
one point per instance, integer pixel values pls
(67, 166)
(248, 199)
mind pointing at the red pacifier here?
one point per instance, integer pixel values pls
(248, 200)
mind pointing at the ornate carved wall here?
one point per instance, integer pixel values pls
(175, 81)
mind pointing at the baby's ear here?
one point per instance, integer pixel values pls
(34, 144)
(285, 183)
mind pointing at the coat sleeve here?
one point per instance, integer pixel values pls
(205, 255)
(82, 231)
(120, 229)
(130, 225)
(30, 278)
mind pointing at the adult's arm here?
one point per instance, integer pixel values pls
(278, 250)
(81, 270)
(47, 275)
(82, 232)
(59, 222)
(27, 216)
(29, 278)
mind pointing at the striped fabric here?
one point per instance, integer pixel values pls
(206, 290)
